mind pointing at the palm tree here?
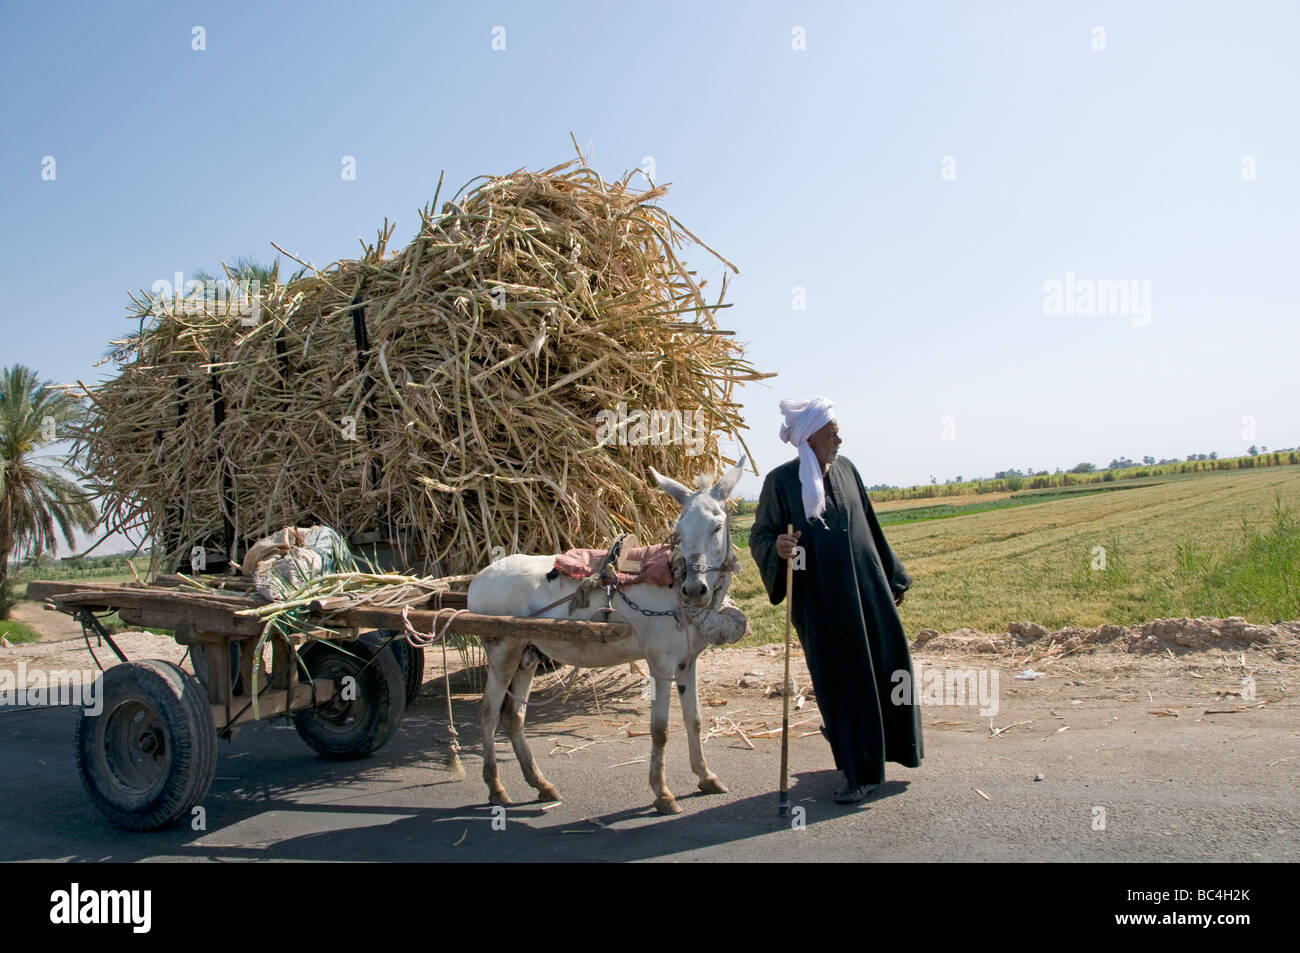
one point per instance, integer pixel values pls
(244, 271)
(35, 497)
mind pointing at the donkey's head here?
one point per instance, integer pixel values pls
(702, 530)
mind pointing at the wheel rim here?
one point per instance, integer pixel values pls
(135, 746)
(337, 715)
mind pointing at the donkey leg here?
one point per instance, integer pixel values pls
(513, 713)
(665, 803)
(709, 782)
(503, 657)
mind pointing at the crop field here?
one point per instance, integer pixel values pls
(99, 569)
(1220, 543)
(89, 574)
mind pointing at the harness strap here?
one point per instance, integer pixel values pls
(605, 576)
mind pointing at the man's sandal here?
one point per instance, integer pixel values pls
(852, 795)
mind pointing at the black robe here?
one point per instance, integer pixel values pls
(844, 612)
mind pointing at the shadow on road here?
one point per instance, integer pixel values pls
(274, 799)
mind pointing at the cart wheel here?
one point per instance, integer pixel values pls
(409, 657)
(414, 671)
(344, 728)
(149, 756)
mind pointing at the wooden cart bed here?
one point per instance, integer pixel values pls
(149, 756)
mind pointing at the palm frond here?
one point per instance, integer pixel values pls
(39, 504)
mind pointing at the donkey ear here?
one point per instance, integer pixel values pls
(674, 489)
(722, 489)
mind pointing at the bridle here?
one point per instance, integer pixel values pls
(680, 567)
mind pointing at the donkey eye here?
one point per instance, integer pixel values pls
(717, 529)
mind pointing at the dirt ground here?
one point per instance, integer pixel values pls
(52, 626)
(1171, 741)
(1187, 670)
(1191, 671)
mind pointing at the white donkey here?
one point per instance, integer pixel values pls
(518, 586)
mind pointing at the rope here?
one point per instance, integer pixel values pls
(446, 685)
(411, 635)
(422, 639)
(679, 565)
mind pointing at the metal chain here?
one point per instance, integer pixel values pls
(673, 540)
(647, 612)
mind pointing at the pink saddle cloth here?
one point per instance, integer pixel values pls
(655, 571)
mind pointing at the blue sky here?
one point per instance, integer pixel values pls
(819, 168)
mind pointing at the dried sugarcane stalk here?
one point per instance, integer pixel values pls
(448, 394)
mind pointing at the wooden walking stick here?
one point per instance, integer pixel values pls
(783, 804)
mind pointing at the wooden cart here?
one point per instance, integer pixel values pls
(149, 756)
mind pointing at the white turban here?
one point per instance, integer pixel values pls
(803, 418)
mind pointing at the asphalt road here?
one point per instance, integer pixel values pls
(1171, 788)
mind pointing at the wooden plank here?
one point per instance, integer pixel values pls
(213, 613)
(219, 623)
(156, 608)
(246, 663)
(169, 617)
(488, 626)
(450, 600)
(186, 634)
(40, 589)
(270, 702)
(199, 637)
(145, 599)
(218, 659)
(84, 593)
(223, 623)
(284, 672)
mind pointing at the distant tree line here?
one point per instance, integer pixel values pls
(1121, 468)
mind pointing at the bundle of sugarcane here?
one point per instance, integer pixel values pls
(468, 395)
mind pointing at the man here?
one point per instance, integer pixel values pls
(844, 598)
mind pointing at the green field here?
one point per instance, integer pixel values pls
(1215, 543)
(20, 579)
(17, 632)
(105, 570)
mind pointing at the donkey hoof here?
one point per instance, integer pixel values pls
(500, 798)
(667, 804)
(547, 792)
(712, 786)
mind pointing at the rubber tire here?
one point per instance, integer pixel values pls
(414, 671)
(377, 709)
(180, 702)
(409, 657)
